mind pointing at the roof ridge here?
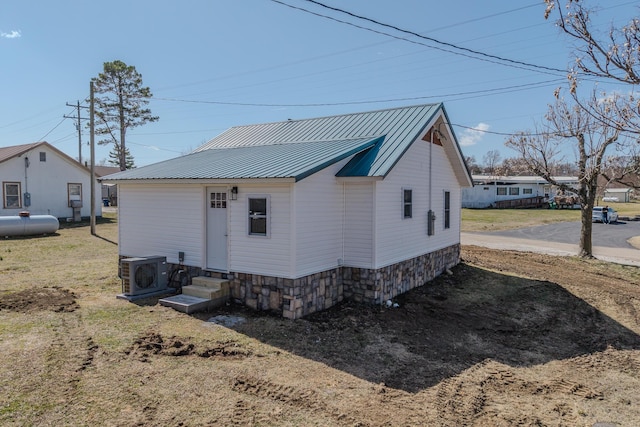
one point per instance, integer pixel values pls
(335, 115)
(305, 141)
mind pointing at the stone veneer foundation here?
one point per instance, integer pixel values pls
(296, 298)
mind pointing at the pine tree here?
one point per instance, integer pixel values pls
(115, 156)
(119, 100)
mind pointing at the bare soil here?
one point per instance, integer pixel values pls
(34, 299)
(508, 338)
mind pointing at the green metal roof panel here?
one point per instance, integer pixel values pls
(295, 161)
(400, 126)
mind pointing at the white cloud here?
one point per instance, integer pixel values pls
(11, 35)
(473, 136)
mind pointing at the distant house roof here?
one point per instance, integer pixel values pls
(7, 153)
(296, 148)
(619, 190)
(105, 170)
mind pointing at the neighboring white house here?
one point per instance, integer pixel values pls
(489, 189)
(43, 180)
(301, 214)
(622, 195)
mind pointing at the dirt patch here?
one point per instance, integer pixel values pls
(35, 299)
(153, 343)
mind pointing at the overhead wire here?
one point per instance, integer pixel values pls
(326, 104)
(459, 50)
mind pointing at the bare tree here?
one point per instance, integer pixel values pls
(491, 160)
(590, 136)
(615, 56)
(473, 165)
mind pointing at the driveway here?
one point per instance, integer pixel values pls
(609, 240)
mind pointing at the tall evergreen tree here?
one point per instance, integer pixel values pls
(114, 157)
(120, 100)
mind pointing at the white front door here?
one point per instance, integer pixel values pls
(217, 228)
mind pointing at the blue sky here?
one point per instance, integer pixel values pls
(214, 64)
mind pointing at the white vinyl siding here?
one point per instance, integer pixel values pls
(318, 221)
(270, 255)
(358, 226)
(407, 239)
(162, 220)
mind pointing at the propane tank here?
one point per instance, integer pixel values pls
(25, 224)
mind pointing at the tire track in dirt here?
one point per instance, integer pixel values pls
(623, 361)
(301, 399)
(458, 400)
(470, 396)
(70, 355)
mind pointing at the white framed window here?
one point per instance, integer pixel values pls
(527, 191)
(407, 203)
(74, 192)
(259, 215)
(43, 156)
(501, 191)
(514, 191)
(11, 195)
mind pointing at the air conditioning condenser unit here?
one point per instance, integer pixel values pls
(143, 275)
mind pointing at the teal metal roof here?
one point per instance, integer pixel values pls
(399, 126)
(295, 161)
(298, 148)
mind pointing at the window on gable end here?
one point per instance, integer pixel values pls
(407, 203)
(447, 209)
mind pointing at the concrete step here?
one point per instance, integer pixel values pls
(202, 292)
(187, 303)
(209, 282)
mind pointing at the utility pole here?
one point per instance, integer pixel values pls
(79, 127)
(93, 158)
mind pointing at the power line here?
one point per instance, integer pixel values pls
(484, 56)
(328, 104)
(54, 128)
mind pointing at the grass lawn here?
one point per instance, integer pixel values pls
(507, 219)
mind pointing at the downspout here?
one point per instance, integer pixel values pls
(340, 260)
(431, 169)
(26, 196)
(26, 182)
(430, 216)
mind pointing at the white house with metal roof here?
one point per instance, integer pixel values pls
(43, 180)
(301, 214)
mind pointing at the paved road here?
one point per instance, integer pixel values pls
(609, 241)
(607, 235)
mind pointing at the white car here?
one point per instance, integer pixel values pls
(596, 215)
